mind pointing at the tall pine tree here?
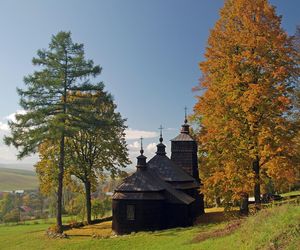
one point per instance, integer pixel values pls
(50, 114)
(246, 134)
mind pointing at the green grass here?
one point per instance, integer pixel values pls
(14, 179)
(274, 228)
(269, 229)
(32, 237)
(291, 193)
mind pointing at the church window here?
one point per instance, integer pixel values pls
(130, 212)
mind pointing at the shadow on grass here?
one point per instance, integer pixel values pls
(229, 222)
(217, 217)
(227, 230)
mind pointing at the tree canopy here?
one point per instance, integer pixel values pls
(246, 135)
(50, 114)
(97, 150)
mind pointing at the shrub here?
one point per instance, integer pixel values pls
(12, 216)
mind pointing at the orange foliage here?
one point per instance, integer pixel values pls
(244, 113)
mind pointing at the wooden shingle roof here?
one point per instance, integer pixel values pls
(150, 181)
(170, 172)
(183, 137)
(145, 184)
(138, 196)
(140, 181)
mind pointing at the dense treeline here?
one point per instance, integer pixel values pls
(21, 206)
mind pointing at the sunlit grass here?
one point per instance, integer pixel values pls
(291, 193)
(272, 228)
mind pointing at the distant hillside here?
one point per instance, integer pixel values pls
(24, 166)
(13, 179)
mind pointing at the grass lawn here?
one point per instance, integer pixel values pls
(291, 193)
(32, 237)
(273, 228)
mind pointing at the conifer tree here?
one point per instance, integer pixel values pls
(50, 114)
(246, 134)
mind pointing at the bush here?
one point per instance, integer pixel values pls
(12, 216)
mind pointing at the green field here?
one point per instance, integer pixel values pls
(14, 179)
(273, 228)
(291, 193)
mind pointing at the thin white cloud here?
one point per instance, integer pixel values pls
(135, 146)
(8, 155)
(134, 151)
(4, 127)
(151, 148)
(12, 116)
(133, 134)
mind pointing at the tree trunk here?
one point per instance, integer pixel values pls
(87, 185)
(218, 201)
(256, 169)
(244, 207)
(62, 157)
(60, 185)
(41, 204)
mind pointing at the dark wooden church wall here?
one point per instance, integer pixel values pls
(184, 154)
(198, 205)
(178, 215)
(148, 216)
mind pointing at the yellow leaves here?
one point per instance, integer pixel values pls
(47, 168)
(279, 149)
(243, 111)
(280, 73)
(281, 70)
(280, 88)
(282, 171)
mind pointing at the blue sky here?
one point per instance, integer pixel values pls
(149, 51)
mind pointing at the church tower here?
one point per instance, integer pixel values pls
(184, 151)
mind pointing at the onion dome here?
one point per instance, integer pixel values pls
(161, 148)
(141, 159)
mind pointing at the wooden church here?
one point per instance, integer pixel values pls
(163, 192)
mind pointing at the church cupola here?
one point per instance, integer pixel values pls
(185, 128)
(141, 159)
(184, 151)
(161, 148)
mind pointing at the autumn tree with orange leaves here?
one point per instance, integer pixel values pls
(246, 134)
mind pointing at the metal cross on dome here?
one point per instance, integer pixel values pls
(161, 129)
(185, 114)
(142, 150)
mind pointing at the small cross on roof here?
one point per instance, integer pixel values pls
(185, 114)
(142, 150)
